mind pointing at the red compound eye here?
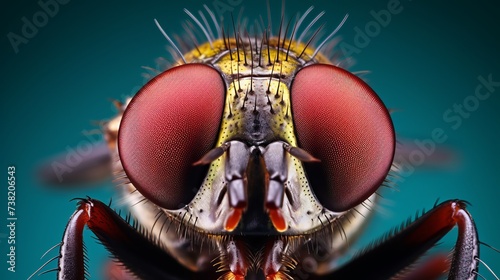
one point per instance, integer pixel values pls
(341, 120)
(170, 124)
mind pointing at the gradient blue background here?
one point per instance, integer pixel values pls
(427, 59)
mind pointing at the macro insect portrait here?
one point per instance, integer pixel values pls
(257, 145)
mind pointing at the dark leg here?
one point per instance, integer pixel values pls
(404, 247)
(116, 271)
(138, 254)
(432, 268)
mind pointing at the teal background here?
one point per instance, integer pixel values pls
(427, 59)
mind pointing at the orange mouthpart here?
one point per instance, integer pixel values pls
(277, 219)
(233, 219)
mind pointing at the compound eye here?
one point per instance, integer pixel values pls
(168, 125)
(340, 120)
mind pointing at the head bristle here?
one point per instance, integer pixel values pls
(291, 39)
(236, 34)
(244, 100)
(240, 21)
(268, 47)
(200, 25)
(229, 48)
(204, 19)
(268, 91)
(309, 26)
(234, 81)
(310, 40)
(190, 34)
(286, 32)
(224, 39)
(330, 36)
(260, 49)
(238, 77)
(251, 58)
(279, 37)
(277, 95)
(170, 41)
(270, 104)
(301, 19)
(244, 51)
(214, 20)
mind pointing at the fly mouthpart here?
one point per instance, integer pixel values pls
(233, 219)
(279, 222)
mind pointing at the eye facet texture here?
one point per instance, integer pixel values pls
(168, 125)
(340, 120)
